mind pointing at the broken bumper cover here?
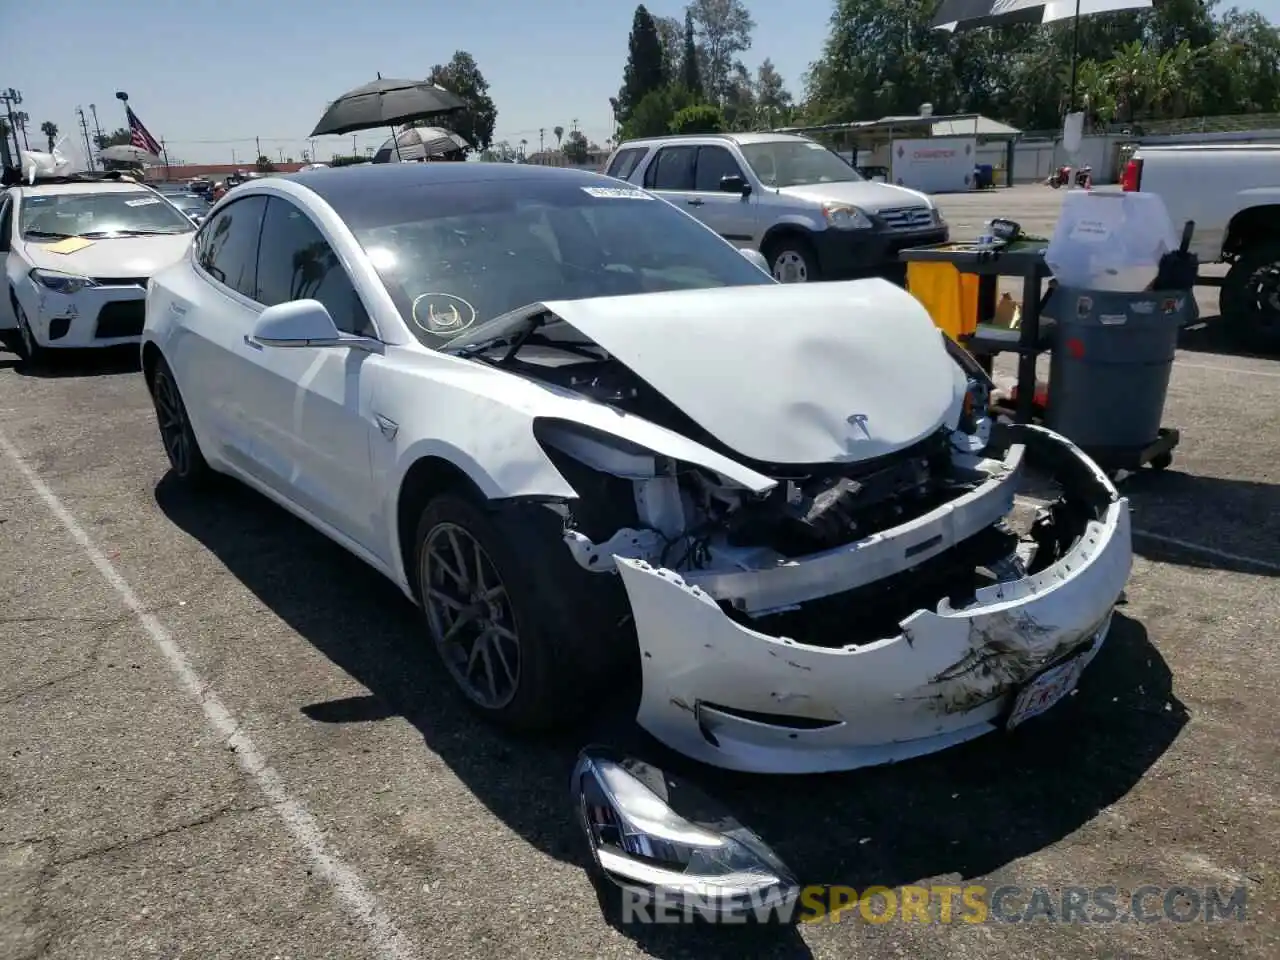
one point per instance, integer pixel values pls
(730, 696)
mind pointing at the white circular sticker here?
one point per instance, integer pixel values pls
(442, 314)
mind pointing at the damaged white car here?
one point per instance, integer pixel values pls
(587, 435)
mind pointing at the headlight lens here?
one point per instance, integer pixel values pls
(938, 218)
(843, 217)
(58, 282)
(701, 860)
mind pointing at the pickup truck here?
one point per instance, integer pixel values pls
(1232, 192)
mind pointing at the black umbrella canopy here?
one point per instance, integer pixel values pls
(385, 103)
(960, 15)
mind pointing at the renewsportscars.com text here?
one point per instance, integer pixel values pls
(946, 904)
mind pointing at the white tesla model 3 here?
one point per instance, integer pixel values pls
(586, 434)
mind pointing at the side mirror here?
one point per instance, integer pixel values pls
(299, 323)
(735, 184)
(756, 257)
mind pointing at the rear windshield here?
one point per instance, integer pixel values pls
(117, 213)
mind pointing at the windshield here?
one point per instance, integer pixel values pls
(120, 213)
(796, 163)
(457, 256)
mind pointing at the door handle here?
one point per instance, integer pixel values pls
(250, 342)
(695, 203)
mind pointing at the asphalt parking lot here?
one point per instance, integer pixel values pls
(225, 738)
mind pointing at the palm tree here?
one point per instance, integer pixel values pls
(524, 146)
(50, 130)
(559, 132)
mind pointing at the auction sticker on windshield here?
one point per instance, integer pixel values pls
(617, 193)
(144, 202)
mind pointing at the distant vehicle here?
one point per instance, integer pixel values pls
(1232, 192)
(77, 253)
(193, 205)
(811, 214)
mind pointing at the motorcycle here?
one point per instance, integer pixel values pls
(1084, 177)
(1059, 178)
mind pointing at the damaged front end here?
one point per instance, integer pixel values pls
(860, 614)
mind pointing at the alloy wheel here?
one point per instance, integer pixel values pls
(1262, 291)
(174, 431)
(469, 615)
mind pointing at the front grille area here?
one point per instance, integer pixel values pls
(121, 281)
(906, 218)
(120, 318)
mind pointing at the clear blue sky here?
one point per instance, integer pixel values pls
(210, 75)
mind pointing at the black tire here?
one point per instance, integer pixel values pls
(566, 619)
(1250, 298)
(186, 462)
(1162, 461)
(25, 345)
(792, 254)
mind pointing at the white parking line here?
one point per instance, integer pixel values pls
(1220, 369)
(351, 890)
(1191, 547)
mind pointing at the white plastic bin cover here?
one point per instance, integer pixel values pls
(1110, 241)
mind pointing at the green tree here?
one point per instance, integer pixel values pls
(652, 116)
(773, 100)
(723, 28)
(559, 132)
(738, 99)
(670, 37)
(645, 71)
(264, 165)
(461, 76)
(576, 147)
(116, 138)
(50, 131)
(691, 76)
(699, 118)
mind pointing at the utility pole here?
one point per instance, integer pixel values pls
(21, 118)
(88, 146)
(575, 124)
(164, 151)
(257, 145)
(542, 132)
(12, 98)
(97, 127)
(281, 149)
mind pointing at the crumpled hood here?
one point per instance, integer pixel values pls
(864, 194)
(118, 257)
(786, 373)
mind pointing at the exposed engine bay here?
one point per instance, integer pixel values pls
(834, 553)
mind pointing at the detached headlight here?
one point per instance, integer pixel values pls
(671, 850)
(60, 282)
(844, 217)
(973, 432)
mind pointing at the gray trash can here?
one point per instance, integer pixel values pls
(1109, 369)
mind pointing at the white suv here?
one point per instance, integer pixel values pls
(800, 204)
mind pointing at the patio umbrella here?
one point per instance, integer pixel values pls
(385, 103)
(959, 15)
(127, 153)
(420, 143)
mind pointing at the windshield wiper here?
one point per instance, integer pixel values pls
(48, 234)
(98, 234)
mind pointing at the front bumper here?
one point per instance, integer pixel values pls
(850, 254)
(101, 316)
(725, 694)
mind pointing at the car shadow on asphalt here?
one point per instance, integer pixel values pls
(1210, 334)
(964, 813)
(1240, 524)
(103, 362)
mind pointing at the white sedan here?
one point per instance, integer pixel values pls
(77, 253)
(587, 435)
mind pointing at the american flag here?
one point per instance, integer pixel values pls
(140, 136)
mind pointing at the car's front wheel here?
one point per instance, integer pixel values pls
(515, 620)
(792, 260)
(180, 446)
(28, 348)
(1250, 298)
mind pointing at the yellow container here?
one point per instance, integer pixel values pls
(951, 297)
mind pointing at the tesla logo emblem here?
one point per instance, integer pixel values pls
(859, 420)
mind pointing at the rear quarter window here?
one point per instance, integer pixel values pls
(626, 161)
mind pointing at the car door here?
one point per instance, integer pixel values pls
(313, 405)
(209, 351)
(732, 215)
(670, 174)
(8, 319)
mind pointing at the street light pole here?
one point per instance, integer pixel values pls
(84, 129)
(13, 98)
(97, 127)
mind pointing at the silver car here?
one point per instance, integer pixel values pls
(810, 213)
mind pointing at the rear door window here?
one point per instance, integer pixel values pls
(672, 169)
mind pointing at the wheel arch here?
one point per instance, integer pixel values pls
(1251, 226)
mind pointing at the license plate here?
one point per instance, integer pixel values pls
(1048, 688)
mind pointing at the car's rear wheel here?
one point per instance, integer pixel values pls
(517, 623)
(180, 445)
(792, 260)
